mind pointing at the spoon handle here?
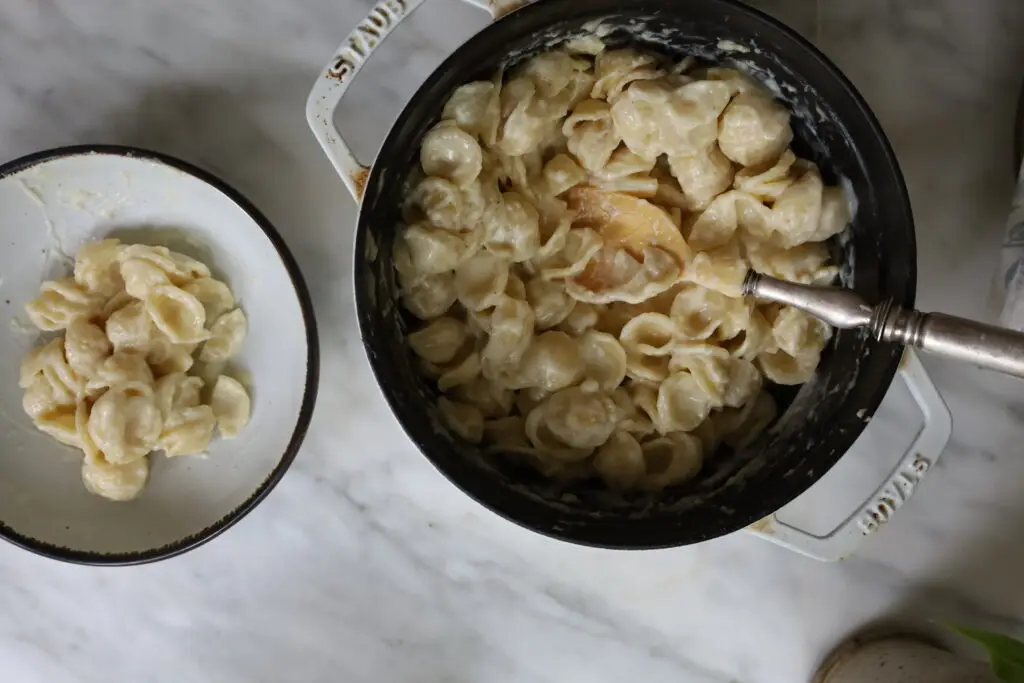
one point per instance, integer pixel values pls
(960, 339)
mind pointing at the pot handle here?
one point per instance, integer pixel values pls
(894, 491)
(336, 78)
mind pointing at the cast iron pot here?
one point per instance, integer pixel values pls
(818, 421)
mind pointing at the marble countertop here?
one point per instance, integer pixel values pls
(365, 564)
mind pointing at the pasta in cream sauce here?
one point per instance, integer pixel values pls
(575, 243)
(114, 384)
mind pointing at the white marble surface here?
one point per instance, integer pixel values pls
(365, 564)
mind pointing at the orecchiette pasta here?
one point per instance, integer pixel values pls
(754, 129)
(551, 362)
(451, 153)
(440, 340)
(766, 182)
(649, 334)
(702, 176)
(125, 423)
(476, 108)
(429, 296)
(698, 311)
(715, 225)
(738, 427)
(806, 211)
(122, 367)
(582, 318)
(480, 282)
(49, 372)
(512, 325)
(657, 117)
(683, 403)
(114, 383)
(628, 173)
(617, 276)
(615, 69)
(130, 328)
(528, 399)
(177, 314)
(85, 347)
(744, 383)
(506, 433)
(97, 267)
(119, 483)
(231, 406)
(37, 399)
(464, 419)
(464, 372)
(438, 200)
(647, 369)
(637, 118)
(562, 173)
(782, 368)
(165, 356)
(736, 80)
(591, 134)
(627, 222)
(59, 423)
(515, 288)
(141, 276)
(180, 269)
(581, 246)
(637, 407)
(493, 400)
(227, 335)
(512, 226)
(671, 460)
(61, 303)
(755, 338)
(188, 430)
(807, 263)
(725, 380)
(561, 80)
(604, 361)
(551, 303)
(115, 303)
(526, 120)
(795, 331)
(214, 295)
(575, 241)
(620, 461)
(579, 419)
(721, 270)
(433, 250)
(177, 390)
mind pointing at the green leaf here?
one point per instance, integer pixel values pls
(1005, 653)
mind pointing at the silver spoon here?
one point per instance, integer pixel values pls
(983, 345)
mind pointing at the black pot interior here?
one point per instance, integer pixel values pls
(833, 127)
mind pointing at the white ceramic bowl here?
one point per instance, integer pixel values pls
(54, 202)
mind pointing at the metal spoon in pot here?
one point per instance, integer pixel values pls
(983, 345)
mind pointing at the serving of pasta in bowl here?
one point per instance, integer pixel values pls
(550, 255)
(160, 360)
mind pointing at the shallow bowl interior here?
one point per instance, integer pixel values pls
(51, 204)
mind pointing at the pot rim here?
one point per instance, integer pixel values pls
(612, 537)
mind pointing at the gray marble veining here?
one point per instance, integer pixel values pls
(365, 564)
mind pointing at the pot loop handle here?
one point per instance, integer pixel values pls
(897, 488)
(349, 59)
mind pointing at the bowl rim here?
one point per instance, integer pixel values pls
(208, 533)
